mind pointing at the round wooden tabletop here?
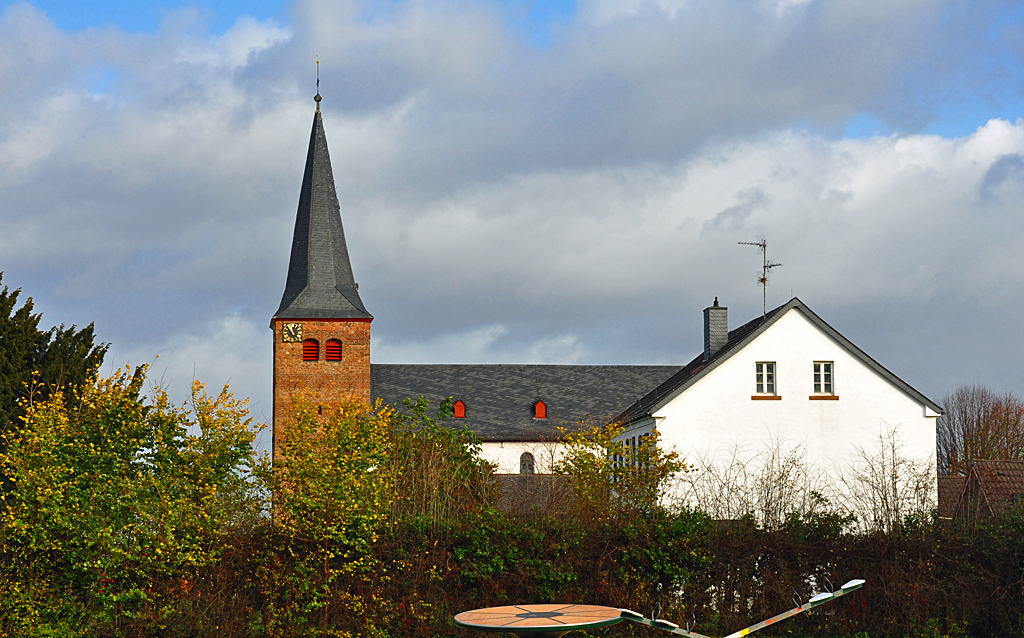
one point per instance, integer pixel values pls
(539, 620)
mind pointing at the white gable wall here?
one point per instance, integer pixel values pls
(717, 411)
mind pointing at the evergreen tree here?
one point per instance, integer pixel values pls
(57, 358)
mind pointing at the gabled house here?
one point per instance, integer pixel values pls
(786, 375)
(990, 488)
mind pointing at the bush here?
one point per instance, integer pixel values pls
(116, 496)
(132, 517)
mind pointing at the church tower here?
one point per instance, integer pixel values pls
(321, 330)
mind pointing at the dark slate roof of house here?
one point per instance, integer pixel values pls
(993, 486)
(738, 339)
(320, 283)
(500, 398)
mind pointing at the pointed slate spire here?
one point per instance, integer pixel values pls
(320, 283)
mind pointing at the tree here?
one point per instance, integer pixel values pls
(978, 424)
(882, 487)
(609, 476)
(112, 496)
(34, 363)
(332, 485)
(438, 473)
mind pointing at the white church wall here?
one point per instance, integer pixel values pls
(506, 454)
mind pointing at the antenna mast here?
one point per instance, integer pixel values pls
(766, 268)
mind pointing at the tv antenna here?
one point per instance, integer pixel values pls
(766, 268)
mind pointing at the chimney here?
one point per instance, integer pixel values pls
(716, 329)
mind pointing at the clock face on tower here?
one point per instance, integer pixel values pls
(291, 332)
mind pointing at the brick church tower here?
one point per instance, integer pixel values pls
(321, 330)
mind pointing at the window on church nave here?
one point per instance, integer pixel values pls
(310, 350)
(526, 463)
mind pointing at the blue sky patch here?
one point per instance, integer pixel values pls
(144, 17)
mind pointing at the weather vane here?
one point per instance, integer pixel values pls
(317, 97)
(765, 269)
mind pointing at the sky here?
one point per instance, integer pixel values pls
(522, 182)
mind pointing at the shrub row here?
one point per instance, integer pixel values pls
(131, 517)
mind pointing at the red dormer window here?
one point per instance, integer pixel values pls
(459, 410)
(540, 410)
(310, 350)
(332, 350)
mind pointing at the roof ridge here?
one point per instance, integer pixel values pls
(737, 340)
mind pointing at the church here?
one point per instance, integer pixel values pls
(787, 374)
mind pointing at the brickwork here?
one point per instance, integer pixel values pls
(326, 381)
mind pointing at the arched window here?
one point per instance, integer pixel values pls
(459, 410)
(332, 350)
(526, 463)
(310, 350)
(540, 410)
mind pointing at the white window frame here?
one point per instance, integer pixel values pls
(823, 377)
(766, 378)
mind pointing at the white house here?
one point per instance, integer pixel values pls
(787, 375)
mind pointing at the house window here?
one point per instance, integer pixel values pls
(459, 410)
(526, 463)
(823, 377)
(310, 350)
(332, 350)
(765, 377)
(540, 410)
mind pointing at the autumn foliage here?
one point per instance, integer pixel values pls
(130, 516)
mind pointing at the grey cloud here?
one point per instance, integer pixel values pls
(651, 86)
(1006, 167)
(562, 197)
(731, 219)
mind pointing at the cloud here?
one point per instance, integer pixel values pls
(230, 351)
(576, 203)
(732, 218)
(1009, 166)
(482, 345)
(884, 230)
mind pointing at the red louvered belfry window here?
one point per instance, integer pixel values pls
(540, 410)
(332, 350)
(310, 350)
(459, 410)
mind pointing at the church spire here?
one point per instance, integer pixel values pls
(320, 283)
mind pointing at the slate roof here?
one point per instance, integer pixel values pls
(320, 283)
(500, 398)
(738, 339)
(991, 488)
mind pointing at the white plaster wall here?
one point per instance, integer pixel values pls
(717, 412)
(505, 454)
